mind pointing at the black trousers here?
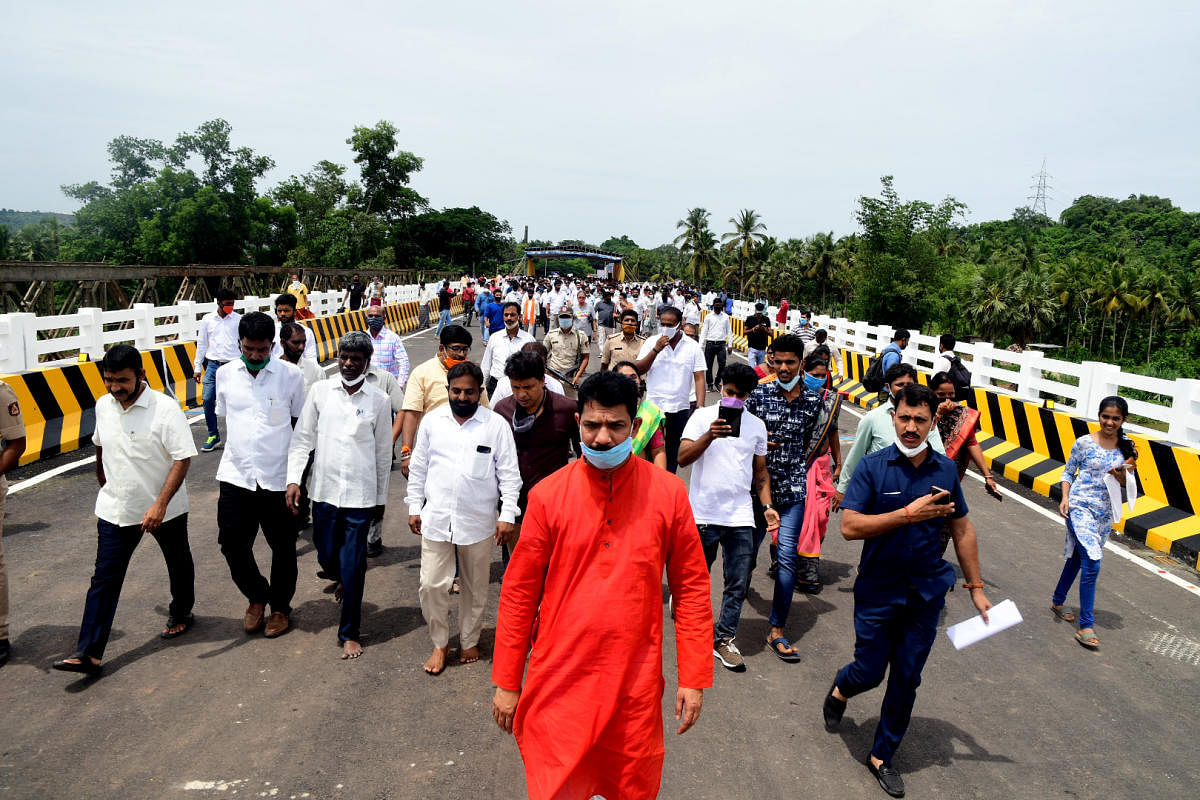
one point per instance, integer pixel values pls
(114, 548)
(240, 513)
(674, 424)
(491, 385)
(714, 350)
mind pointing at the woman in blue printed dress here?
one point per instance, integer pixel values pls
(1088, 509)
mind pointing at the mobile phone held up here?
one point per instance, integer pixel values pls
(935, 491)
(732, 415)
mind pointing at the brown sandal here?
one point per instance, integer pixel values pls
(1087, 638)
(1061, 613)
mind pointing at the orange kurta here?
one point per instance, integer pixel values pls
(584, 589)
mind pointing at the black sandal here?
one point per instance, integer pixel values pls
(187, 623)
(84, 666)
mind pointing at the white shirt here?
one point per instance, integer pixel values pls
(942, 362)
(673, 374)
(217, 339)
(453, 486)
(352, 434)
(258, 422)
(719, 487)
(716, 328)
(139, 445)
(311, 371)
(310, 342)
(386, 382)
(691, 312)
(504, 388)
(499, 347)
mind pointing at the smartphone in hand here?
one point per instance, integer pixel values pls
(936, 490)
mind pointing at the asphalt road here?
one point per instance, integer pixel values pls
(1025, 714)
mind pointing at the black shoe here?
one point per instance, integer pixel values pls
(833, 710)
(4, 651)
(773, 570)
(374, 549)
(888, 777)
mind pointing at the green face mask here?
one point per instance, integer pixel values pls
(255, 366)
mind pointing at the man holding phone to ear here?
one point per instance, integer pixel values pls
(896, 504)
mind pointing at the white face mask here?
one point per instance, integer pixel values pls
(357, 380)
(912, 452)
(667, 331)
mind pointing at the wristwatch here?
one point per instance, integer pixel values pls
(768, 507)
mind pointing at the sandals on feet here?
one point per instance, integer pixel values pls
(1062, 613)
(84, 665)
(174, 622)
(1087, 638)
(778, 645)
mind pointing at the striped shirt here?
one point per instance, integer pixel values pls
(390, 355)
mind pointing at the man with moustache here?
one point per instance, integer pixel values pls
(285, 312)
(502, 345)
(389, 353)
(427, 386)
(260, 398)
(348, 422)
(143, 450)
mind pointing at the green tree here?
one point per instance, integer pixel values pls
(385, 172)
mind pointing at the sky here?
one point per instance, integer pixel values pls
(586, 120)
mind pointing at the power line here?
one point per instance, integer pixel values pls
(1041, 191)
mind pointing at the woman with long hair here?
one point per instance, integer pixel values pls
(1088, 507)
(956, 423)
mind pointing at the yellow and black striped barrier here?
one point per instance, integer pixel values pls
(1029, 443)
(58, 403)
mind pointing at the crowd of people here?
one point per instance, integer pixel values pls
(579, 493)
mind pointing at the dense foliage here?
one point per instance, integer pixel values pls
(197, 201)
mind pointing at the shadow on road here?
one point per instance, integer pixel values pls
(929, 742)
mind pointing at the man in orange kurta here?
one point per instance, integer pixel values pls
(584, 591)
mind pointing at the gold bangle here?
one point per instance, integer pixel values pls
(973, 585)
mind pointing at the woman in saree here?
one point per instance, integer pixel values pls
(824, 467)
(956, 424)
(650, 439)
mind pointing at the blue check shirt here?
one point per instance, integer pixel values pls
(791, 426)
(909, 556)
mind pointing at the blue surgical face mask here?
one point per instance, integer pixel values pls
(787, 386)
(375, 323)
(816, 384)
(611, 458)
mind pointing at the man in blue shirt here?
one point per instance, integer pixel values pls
(895, 503)
(495, 313)
(481, 304)
(891, 354)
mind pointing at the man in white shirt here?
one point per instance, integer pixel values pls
(348, 422)
(285, 312)
(673, 365)
(464, 464)
(423, 298)
(503, 344)
(143, 450)
(216, 344)
(691, 310)
(946, 345)
(716, 337)
(292, 338)
(504, 385)
(260, 398)
(726, 469)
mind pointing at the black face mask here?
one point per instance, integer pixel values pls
(463, 409)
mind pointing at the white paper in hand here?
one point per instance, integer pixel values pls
(1001, 616)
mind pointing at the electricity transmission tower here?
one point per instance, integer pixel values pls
(1041, 188)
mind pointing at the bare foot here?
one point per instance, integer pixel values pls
(351, 649)
(338, 593)
(775, 634)
(469, 656)
(437, 661)
(174, 630)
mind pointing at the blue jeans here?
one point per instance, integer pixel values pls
(210, 395)
(737, 545)
(895, 634)
(1077, 563)
(756, 356)
(340, 536)
(443, 320)
(483, 328)
(114, 547)
(791, 519)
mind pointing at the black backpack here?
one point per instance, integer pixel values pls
(960, 376)
(873, 381)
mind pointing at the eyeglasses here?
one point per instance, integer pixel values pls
(459, 349)
(226, 304)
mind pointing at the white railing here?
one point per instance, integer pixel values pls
(1030, 375)
(92, 331)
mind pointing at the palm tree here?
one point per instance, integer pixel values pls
(1072, 285)
(740, 244)
(819, 258)
(1115, 295)
(697, 244)
(1033, 304)
(991, 307)
(1158, 295)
